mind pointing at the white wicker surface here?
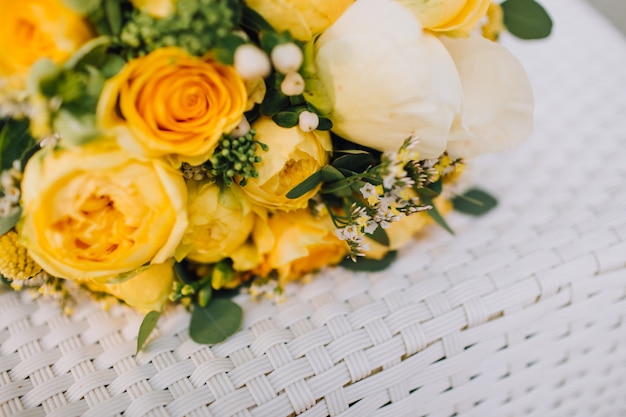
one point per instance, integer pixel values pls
(520, 314)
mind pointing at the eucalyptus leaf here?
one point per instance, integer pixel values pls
(330, 173)
(7, 223)
(225, 49)
(250, 19)
(113, 15)
(14, 139)
(325, 124)
(357, 162)
(380, 236)
(370, 265)
(275, 100)
(83, 7)
(148, 324)
(438, 218)
(305, 186)
(215, 322)
(337, 187)
(475, 202)
(286, 119)
(526, 19)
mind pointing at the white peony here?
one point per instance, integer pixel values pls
(497, 111)
(387, 79)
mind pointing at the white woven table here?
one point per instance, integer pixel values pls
(521, 313)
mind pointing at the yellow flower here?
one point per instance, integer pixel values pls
(146, 291)
(95, 212)
(171, 103)
(293, 156)
(34, 29)
(400, 233)
(454, 17)
(220, 222)
(14, 261)
(155, 8)
(299, 243)
(302, 19)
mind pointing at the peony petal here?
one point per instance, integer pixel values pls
(493, 118)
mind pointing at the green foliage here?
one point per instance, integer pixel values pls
(148, 324)
(197, 26)
(236, 158)
(305, 186)
(438, 218)
(7, 223)
(475, 202)
(215, 322)
(370, 265)
(526, 19)
(15, 141)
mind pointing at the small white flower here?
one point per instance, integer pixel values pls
(368, 190)
(293, 84)
(286, 58)
(308, 121)
(241, 129)
(251, 62)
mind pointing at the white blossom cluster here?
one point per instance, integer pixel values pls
(10, 190)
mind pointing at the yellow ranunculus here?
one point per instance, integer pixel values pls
(299, 243)
(220, 222)
(302, 19)
(155, 8)
(34, 29)
(169, 103)
(94, 211)
(146, 291)
(293, 156)
(456, 17)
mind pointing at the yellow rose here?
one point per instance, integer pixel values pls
(34, 29)
(95, 212)
(400, 233)
(220, 222)
(155, 8)
(457, 17)
(146, 291)
(293, 155)
(171, 103)
(301, 243)
(302, 19)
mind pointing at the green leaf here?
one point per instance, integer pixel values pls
(330, 173)
(370, 265)
(354, 162)
(438, 218)
(147, 326)
(181, 271)
(286, 119)
(325, 124)
(120, 278)
(526, 19)
(112, 65)
(380, 236)
(305, 186)
(7, 223)
(269, 40)
(15, 139)
(83, 7)
(275, 100)
(225, 49)
(215, 322)
(114, 15)
(475, 202)
(250, 19)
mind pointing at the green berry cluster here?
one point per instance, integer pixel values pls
(196, 26)
(235, 157)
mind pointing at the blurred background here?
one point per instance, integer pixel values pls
(615, 10)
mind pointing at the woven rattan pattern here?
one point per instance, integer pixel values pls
(521, 313)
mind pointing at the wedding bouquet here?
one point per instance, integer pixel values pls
(162, 150)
